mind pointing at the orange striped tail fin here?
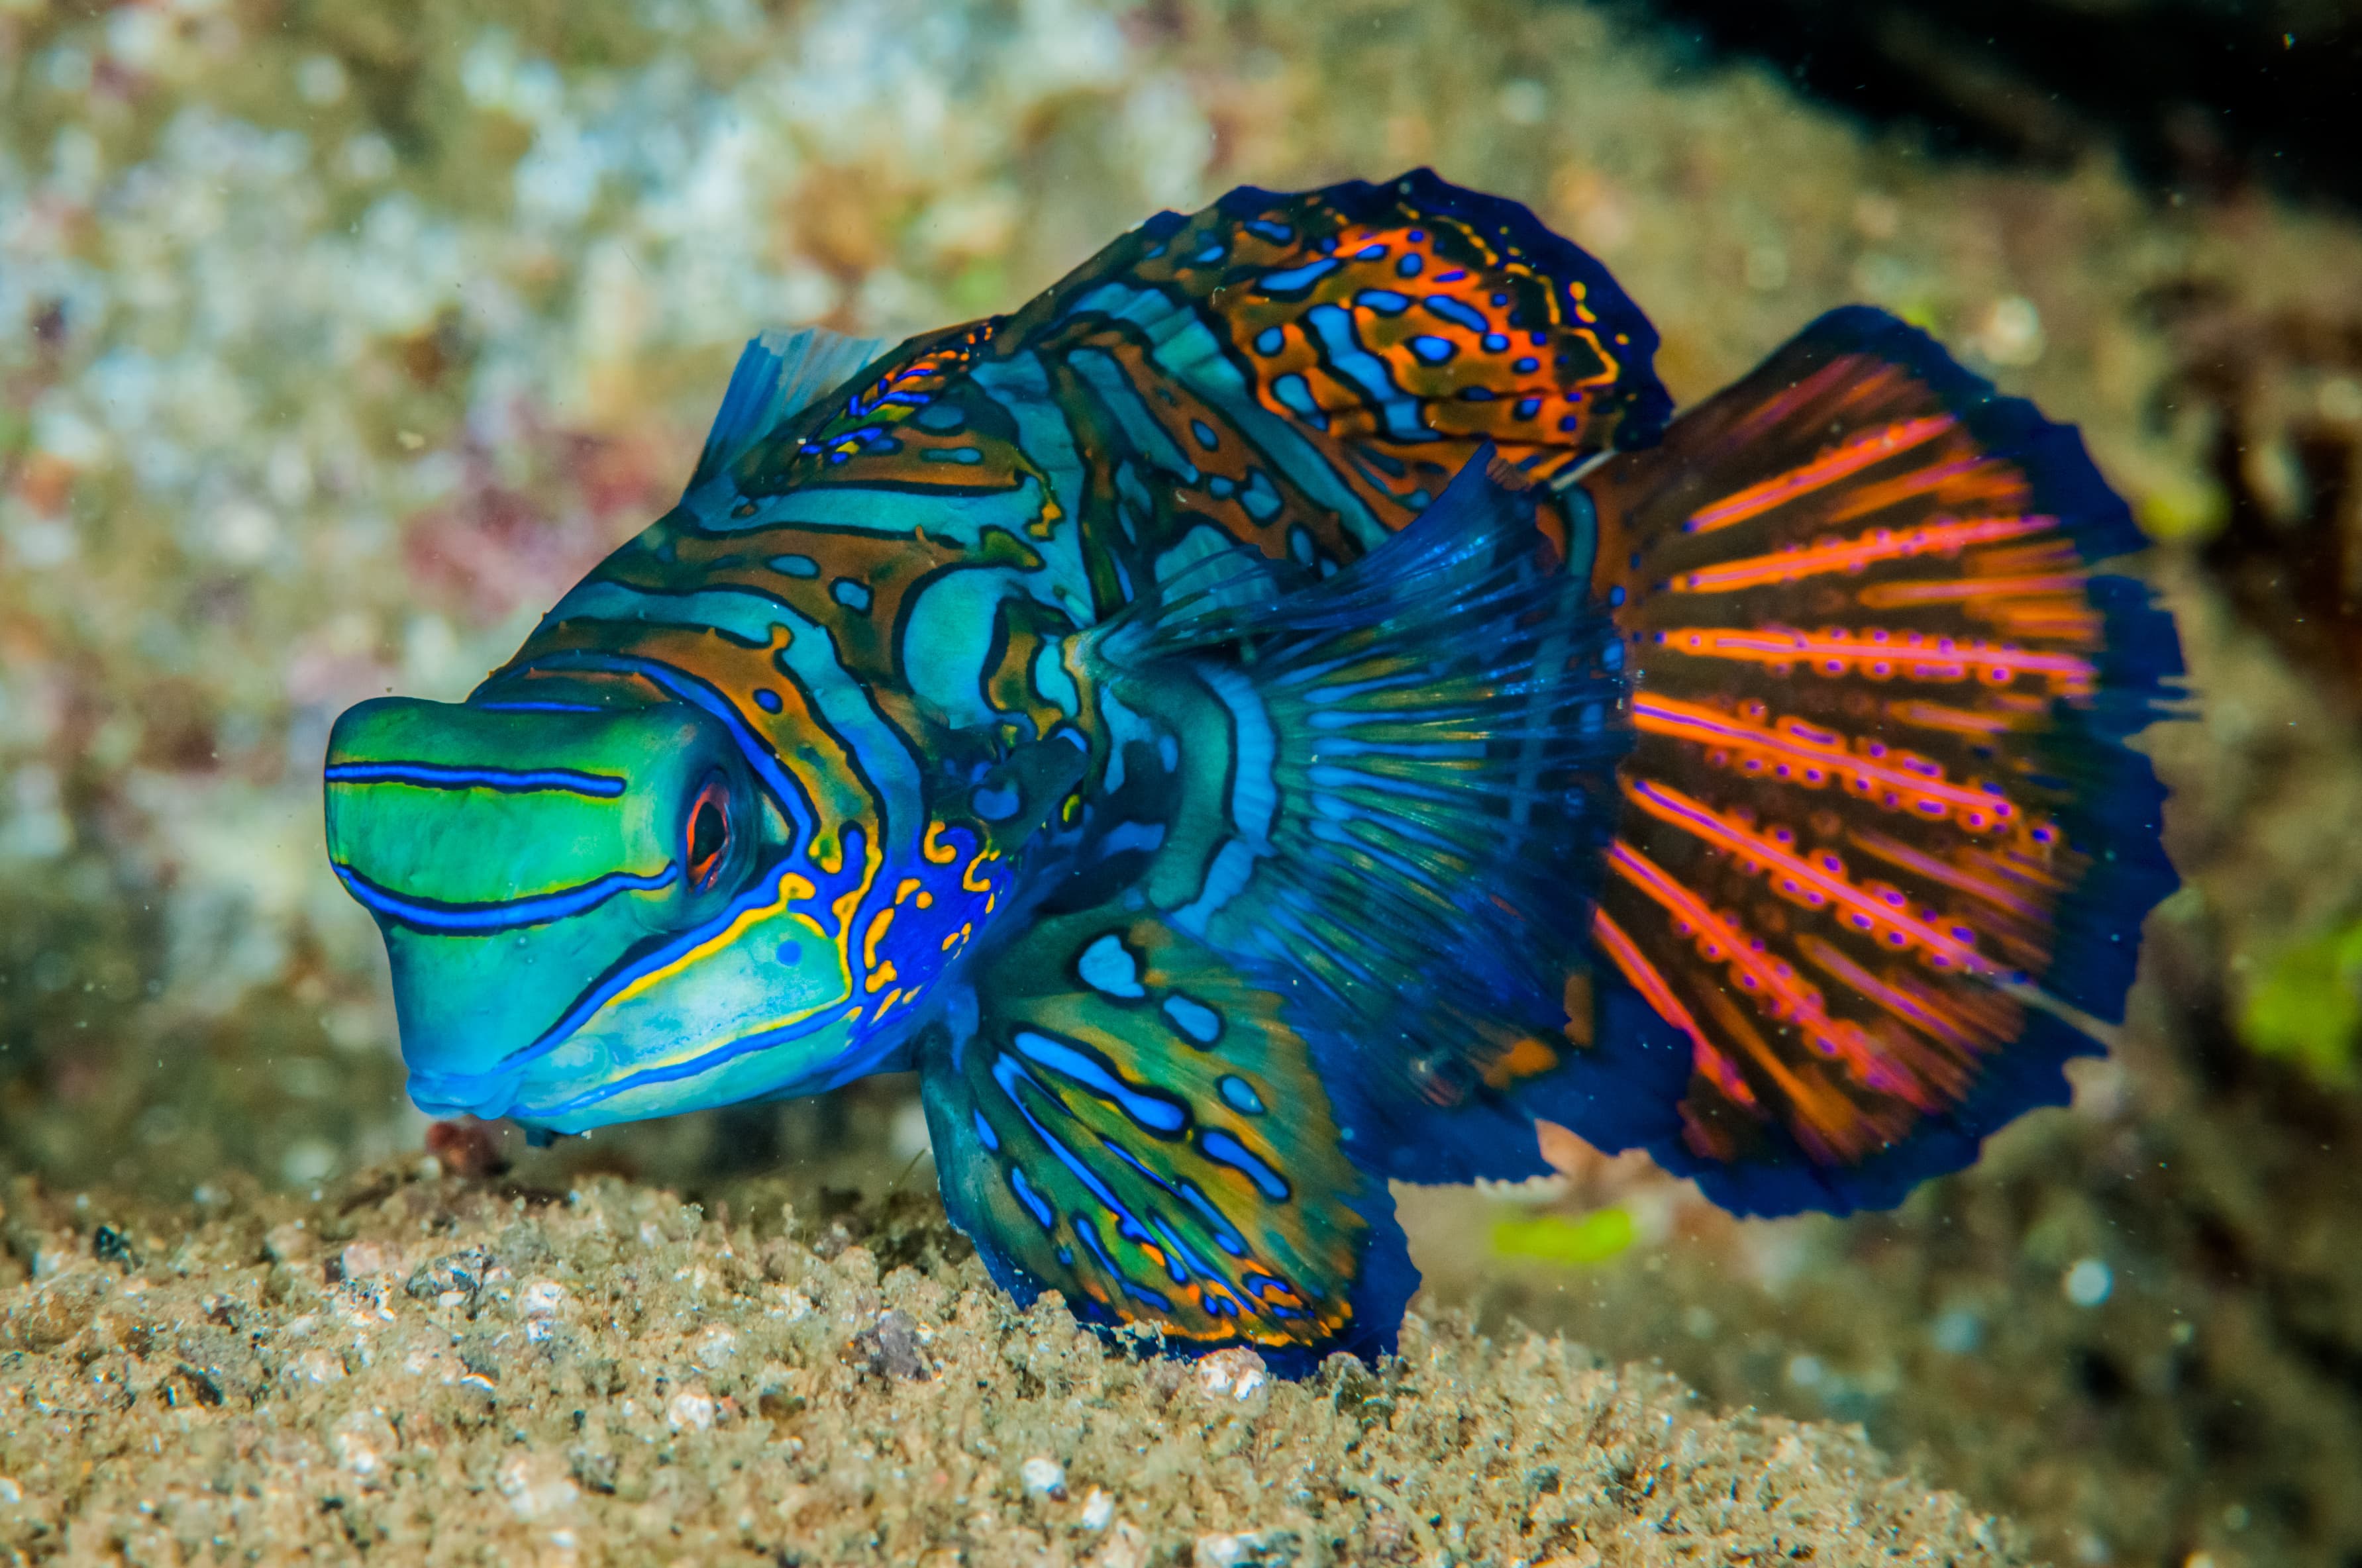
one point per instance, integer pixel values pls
(1881, 818)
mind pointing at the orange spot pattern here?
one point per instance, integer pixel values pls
(1852, 625)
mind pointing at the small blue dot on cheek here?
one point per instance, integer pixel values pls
(767, 700)
(789, 952)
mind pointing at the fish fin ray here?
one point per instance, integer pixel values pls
(1419, 755)
(781, 373)
(1878, 818)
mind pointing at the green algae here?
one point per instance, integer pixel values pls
(1574, 1241)
(2306, 1007)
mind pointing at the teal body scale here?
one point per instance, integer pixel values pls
(1286, 711)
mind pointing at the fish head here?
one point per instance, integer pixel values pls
(593, 914)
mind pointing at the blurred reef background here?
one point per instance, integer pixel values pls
(337, 338)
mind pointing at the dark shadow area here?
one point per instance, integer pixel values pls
(2202, 98)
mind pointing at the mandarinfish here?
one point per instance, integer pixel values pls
(1284, 711)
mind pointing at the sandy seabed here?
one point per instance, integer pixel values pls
(417, 1368)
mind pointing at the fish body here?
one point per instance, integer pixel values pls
(1284, 711)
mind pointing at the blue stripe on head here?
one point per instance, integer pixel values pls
(436, 775)
(540, 707)
(613, 983)
(508, 914)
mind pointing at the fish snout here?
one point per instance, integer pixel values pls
(510, 854)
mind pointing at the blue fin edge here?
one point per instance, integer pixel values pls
(2028, 1074)
(1622, 1091)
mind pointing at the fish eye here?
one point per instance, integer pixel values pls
(707, 832)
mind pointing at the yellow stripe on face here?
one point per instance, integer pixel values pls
(759, 931)
(792, 889)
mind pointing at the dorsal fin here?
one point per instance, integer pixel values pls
(782, 372)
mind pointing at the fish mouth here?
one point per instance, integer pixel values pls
(577, 1083)
(623, 1038)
